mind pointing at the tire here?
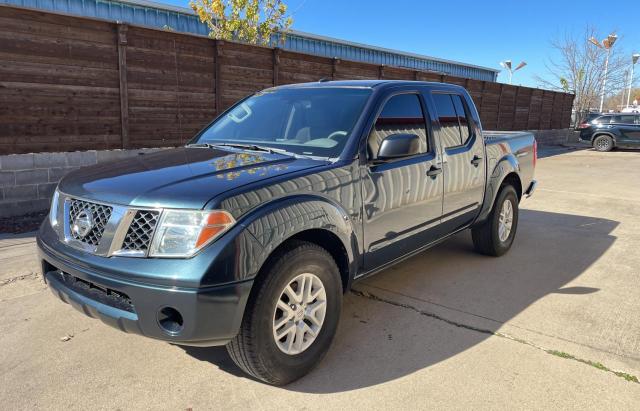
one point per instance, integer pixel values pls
(603, 143)
(255, 349)
(486, 236)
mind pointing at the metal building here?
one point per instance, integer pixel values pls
(147, 13)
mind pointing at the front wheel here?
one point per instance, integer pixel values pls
(292, 316)
(495, 235)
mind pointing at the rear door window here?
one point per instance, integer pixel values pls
(448, 119)
(465, 132)
(454, 124)
(627, 119)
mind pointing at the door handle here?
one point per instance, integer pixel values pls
(434, 171)
(476, 160)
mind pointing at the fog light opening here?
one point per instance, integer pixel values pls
(170, 320)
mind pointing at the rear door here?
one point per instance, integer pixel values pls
(402, 203)
(627, 128)
(463, 159)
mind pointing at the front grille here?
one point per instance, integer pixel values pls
(100, 215)
(140, 231)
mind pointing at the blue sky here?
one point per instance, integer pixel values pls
(477, 32)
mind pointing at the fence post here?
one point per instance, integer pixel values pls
(479, 106)
(540, 113)
(515, 109)
(276, 65)
(499, 106)
(567, 108)
(381, 71)
(218, 46)
(124, 90)
(334, 67)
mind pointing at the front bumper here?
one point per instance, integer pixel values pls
(209, 315)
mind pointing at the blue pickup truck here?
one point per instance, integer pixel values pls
(249, 235)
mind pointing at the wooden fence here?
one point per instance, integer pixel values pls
(70, 83)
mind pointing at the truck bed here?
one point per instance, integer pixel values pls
(518, 145)
(493, 137)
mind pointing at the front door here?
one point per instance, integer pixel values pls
(463, 159)
(402, 203)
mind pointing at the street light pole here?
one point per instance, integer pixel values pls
(604, 81)
(626, 75)
(634, 60)
(606, 44)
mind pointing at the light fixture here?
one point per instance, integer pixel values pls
(507, 65)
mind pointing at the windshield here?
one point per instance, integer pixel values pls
(307, 121)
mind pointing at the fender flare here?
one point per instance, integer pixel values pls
(273, 223)
(506, 165)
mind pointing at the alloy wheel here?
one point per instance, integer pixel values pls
(299, 314)
(505, 220)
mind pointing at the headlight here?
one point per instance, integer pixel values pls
(182, 233)
(53, 211)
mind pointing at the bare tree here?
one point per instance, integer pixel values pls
(620, 98)
(579, 68)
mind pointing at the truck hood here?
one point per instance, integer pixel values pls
(178, 178)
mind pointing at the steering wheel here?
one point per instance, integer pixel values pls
(336, 134)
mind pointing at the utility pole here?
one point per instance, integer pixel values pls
(634, 60)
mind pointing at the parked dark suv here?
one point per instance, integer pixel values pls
(608, 131)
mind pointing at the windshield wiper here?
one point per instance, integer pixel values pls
(200, 145)
(254, 147)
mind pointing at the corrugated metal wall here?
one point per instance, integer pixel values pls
(317, 45)
(117, 11)
(180, 19)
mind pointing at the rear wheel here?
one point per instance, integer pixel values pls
(603, 143)
(292, 316)
(495, 235)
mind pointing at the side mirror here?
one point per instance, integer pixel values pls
(398, 145)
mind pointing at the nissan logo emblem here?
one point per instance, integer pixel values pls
(83, 223)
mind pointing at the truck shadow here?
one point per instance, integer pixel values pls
(381, 341)
(550, 151)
